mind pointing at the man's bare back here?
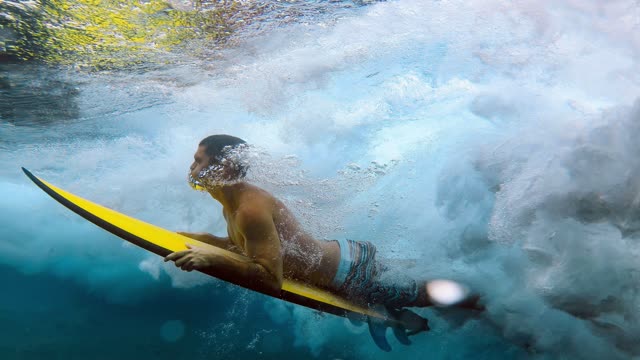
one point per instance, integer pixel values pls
(303, 257)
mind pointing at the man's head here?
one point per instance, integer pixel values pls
(217, 159)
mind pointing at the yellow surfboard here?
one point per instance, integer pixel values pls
(163, 242)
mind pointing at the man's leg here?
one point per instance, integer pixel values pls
(394, 288)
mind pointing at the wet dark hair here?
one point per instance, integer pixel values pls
(216, 147)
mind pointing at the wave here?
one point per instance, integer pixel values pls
(490, 142)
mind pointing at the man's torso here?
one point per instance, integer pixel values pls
(304, 258)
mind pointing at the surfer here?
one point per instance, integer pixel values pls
(275, 246)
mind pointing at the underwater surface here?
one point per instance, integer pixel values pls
(491, 142)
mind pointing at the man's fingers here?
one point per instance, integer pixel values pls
(176, 255)
(170, 257)
(183, 260)
(188, 266)
(186, 259)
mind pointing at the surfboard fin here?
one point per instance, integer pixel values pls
(401, 335)
(356, 321)
(378, 330)
(403, 323)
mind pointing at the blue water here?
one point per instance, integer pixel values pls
(492, 142)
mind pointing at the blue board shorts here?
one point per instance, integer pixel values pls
(361, 277)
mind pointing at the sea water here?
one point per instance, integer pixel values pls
(490, 142)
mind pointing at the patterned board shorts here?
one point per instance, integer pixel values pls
(361, 277)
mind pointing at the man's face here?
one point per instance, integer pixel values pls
(205, 173)
(200, 162)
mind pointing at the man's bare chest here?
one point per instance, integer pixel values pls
(235, 236)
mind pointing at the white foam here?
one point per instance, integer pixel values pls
(505, 135)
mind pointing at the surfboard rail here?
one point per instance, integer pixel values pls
(163, 242)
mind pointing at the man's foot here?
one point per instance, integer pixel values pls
(471, 303)
(446, 292)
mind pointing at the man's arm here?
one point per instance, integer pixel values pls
(262, 246)
(261, 267)
(223, 243)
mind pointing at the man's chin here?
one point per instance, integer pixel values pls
(195, 184)
(208, 185)
(197, 187)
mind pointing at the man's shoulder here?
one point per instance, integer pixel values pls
(255, 198)
(253, 211)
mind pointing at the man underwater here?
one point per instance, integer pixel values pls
(261, 228)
